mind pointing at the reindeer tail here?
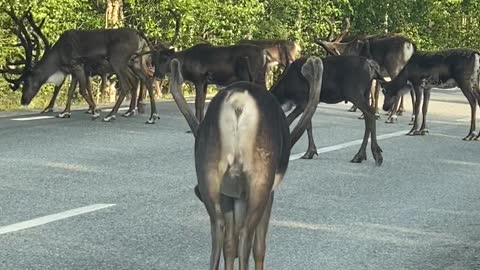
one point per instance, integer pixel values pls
(312, 70)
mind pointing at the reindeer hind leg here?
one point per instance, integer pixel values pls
(259, 244)
(258, 197)
(231, 237)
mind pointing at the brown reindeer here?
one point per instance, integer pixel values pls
(242, 149)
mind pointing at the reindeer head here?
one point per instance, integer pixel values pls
(393, 92)
(29, 37)
(161, 62)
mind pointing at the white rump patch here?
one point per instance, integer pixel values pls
(56, 78)
(238, 125)
(408, 50)
(476, 73)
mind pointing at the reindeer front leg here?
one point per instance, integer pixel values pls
(426, 98)
(473, 111)
(84, 85)
(122, 80)
(312, 149)
(375, 97)
(90, 100)
(370, 128)
(412, 96)
(66, 113)
(49, 108)
(133, 98)
(418, 99)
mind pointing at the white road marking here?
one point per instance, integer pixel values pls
(41, 117)
(33, 118)
(348, 144)
(50, 218)
(466, 119)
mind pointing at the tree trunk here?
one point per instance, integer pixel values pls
(113, 19)
(114, 14)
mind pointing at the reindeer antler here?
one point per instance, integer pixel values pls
(330, 29)
(37, 30)
(23, 36)
(29, 42)
(178, 20)
(345, 30)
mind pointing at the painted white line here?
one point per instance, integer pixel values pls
(50, 218)
(123, 108)
(466, 119)
(348, 144)
(33, 118)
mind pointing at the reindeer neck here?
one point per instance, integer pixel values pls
(401, 79)
(49, 69)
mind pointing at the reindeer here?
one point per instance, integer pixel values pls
(205, 64)
(440, 69)
(124, 50)
(345, 78)
(390, 51)
(103, 70)
(282, 52)
(242, 149)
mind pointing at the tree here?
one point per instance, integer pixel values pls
(114, 14)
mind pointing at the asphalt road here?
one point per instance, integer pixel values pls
(419, 210)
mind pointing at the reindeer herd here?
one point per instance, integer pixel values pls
(243, 142)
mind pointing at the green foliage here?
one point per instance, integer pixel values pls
(432, 24)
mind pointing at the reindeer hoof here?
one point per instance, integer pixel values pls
(377, 115)
(129, 113)
(64, 115)
(151, 121)
(95, 115)
(424, 132)
(359, 157)
(361, 116)
(309, 154)
(47, 110)
(109, 118)
(391, 120)
(414, 132)
(377, 155)
(352, 109)
(379, 160)
(471, 136)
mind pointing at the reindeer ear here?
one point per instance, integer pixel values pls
(170, 51)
